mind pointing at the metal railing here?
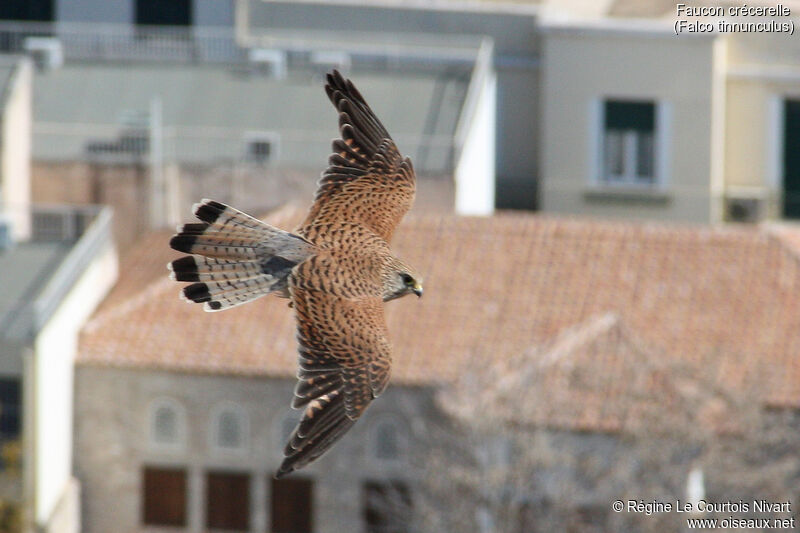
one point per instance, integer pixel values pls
(126, 42)
(96, 235)
(89, 228)
(208, 44)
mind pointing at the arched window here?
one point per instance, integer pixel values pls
(166, 423)
(388, 440)
(287, 427)
(386, 446)
(229, 428)
(284, 425)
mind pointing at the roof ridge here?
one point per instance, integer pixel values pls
(576, 336)
(777, 232)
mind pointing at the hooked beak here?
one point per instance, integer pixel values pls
(418, 290)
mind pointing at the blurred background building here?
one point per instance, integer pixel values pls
(57, 263)
(563, 107)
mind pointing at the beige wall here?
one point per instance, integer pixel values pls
(762, 71)
(583, 66)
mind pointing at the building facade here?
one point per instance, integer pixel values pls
(628, 115)
(550, 352)
(697, 127)
(58, 262)
(198, 452)
(584, 111)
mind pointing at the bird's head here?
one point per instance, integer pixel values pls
(401, 280)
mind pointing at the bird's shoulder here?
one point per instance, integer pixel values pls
(342, 235)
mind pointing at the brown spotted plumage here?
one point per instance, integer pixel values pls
(337, 269)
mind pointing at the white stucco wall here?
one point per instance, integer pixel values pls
(55, 349)
(475, 168)
(15, 151)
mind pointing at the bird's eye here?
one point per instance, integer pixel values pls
(408, 280)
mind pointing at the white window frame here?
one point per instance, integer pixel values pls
(240, 414)
(630, 163)
(774, 140)
(662, 146)
(180, 424)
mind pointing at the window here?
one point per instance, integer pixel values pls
(167, 422)
(165, 426)
(164, 497)
(291, 506)
(228, 501)
(10, 408)
(629, 143)
(37, 10)
(388, 440)
(160, 13)
(230, 428)
(260, 150)
(387, 507)
(261, 147)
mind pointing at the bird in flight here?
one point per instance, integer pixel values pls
(337, 270)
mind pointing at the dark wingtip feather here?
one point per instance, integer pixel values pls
(197, 292)
(209, 210)
(284, 470)
(182, 243)
(207, 213)
(335, 78)
(337, 83)
(185, 269)
(193, 229)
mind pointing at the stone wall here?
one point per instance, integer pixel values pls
(112, 445)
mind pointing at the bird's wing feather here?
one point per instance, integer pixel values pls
(367, 181)
(344, 363)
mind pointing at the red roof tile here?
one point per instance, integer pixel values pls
(722, 299)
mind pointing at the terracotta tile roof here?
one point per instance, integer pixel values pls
(724, 300)
(594, 376)
(140, 265)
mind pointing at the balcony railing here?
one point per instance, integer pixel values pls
(125, 42)
(87, 230)
(206, 44)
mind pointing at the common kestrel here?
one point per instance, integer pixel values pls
(336, 268)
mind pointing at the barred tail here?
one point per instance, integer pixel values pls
(237, 258)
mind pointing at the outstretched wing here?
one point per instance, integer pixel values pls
(345, 362)
(367, 181)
